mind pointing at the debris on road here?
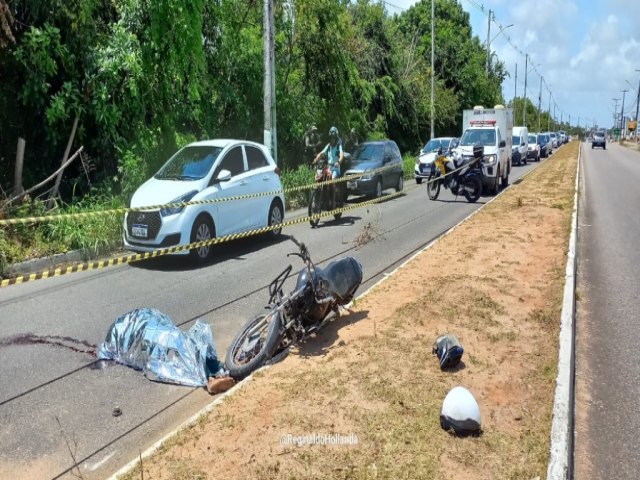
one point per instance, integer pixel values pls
(146, 339)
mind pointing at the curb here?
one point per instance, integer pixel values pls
(561, 450)
(194, 419)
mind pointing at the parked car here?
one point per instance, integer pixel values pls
(428, 155)
(533, 150)
(207, 170)
(545, 144)
(519, 149)
(562, 137)
(371, 156)
(554, 140)
(599, 140)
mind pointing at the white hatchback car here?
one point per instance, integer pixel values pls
(206, 170)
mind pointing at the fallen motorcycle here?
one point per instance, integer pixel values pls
(459, 174)
(293, 317)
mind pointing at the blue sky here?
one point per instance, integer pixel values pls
(586, 50)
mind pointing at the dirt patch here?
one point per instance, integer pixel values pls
(496, 282)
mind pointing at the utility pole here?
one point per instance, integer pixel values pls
(524, 103)
(433, 88)
(515, 90)
(622, 112)
(540, 103)
(270, 133)
(637, 105)
(486, 68)
(549, 119)
(615, 112)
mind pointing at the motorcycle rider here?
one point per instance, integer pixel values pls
(335, 156)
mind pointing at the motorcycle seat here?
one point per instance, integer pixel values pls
(342, 277)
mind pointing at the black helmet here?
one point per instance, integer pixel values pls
(478, 150)
(449, 351)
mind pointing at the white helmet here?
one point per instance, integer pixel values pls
(461, 412)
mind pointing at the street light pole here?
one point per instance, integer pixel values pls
(549, 119)
(524, 102)
(433, 73)
(270, 136)
(637, 105)
(622, 113)
(540, 103)
(486, 68)
(515, 90)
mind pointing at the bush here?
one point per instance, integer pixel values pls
(408, 165)
(303, 175)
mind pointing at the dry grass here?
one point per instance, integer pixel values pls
(371, 373)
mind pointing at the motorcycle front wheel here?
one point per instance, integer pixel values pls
(315, 206)
(433, 186)
(255, 344)
(472, 189)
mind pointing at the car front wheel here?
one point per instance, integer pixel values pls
(202, 231)
(400, 184)
(275, 218)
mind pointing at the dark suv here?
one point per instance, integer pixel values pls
(370, 156)
(599, 140)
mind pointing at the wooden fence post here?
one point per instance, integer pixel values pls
(17, 177)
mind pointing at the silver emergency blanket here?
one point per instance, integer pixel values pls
(146, 339)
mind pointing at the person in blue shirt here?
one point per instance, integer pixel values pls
(335, 156)
(334, 153)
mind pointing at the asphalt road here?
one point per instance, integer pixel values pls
(56, 404)
(608, 333)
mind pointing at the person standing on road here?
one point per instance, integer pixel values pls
(312, 143)
(352, 141)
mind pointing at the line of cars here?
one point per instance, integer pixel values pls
(211, 170)
(525, 147)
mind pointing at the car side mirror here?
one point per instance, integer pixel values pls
(223, 176)
(503, 143)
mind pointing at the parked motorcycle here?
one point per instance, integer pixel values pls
(293, 317)
(467, 180)
(322, 197)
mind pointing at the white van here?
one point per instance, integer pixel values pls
(520, 145)
(493, 128)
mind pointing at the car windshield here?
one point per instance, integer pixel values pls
(190, 163)
(472, 136)
(367, 152)
(599, 134)
(532, 139)
(434, 145)
(516, 140)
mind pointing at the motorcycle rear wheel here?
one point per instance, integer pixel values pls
(433, 187)
(475, 185)
(315, 206)
(249, 351)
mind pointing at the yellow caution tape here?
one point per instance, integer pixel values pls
(146, 208)
(98, 265)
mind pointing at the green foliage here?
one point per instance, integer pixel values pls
(297, 177)
(132, 172)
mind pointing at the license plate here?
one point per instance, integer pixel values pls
(139, 231)
(352, 185)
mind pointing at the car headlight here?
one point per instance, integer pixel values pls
(165, 212)
(490, 159)
(366, 177)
